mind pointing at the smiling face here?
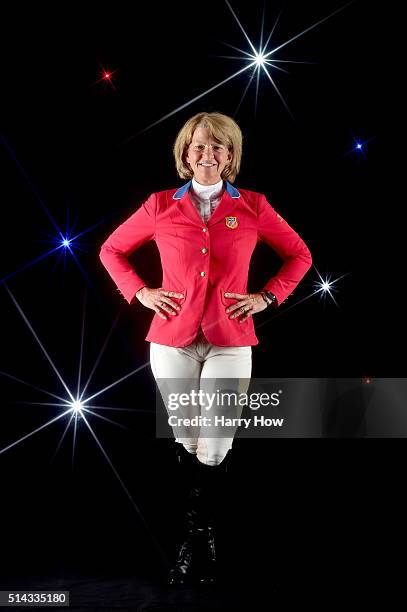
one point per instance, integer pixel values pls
(207, 157)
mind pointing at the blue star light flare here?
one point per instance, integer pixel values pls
(359, 147)
(60, 243)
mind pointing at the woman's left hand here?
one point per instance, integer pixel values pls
(246, 306)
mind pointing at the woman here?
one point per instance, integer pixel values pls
(202, 331)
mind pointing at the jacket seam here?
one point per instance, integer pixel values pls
(155, 217)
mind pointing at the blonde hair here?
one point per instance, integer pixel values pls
(223, 129)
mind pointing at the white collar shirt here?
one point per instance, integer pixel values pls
(206, 197)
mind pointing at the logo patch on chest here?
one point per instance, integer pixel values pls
(231, 222)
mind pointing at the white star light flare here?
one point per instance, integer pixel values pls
(326, 286)
(75, 407)
(262, 59)
(72, 404)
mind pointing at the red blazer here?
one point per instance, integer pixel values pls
(205, 261)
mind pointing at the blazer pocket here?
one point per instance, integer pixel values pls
(228, 301)
(179, 300)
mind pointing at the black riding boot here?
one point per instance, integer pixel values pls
(196, 558)
(187, 468)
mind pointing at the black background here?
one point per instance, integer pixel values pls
(72, 146)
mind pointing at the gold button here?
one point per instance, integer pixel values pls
(204, 250)
(202, 273)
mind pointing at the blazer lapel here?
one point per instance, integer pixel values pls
(226, 206)
(187, 208)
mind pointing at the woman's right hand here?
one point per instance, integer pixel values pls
(159, 300)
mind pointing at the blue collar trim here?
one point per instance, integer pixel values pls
(178, 194)
(232, 191)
